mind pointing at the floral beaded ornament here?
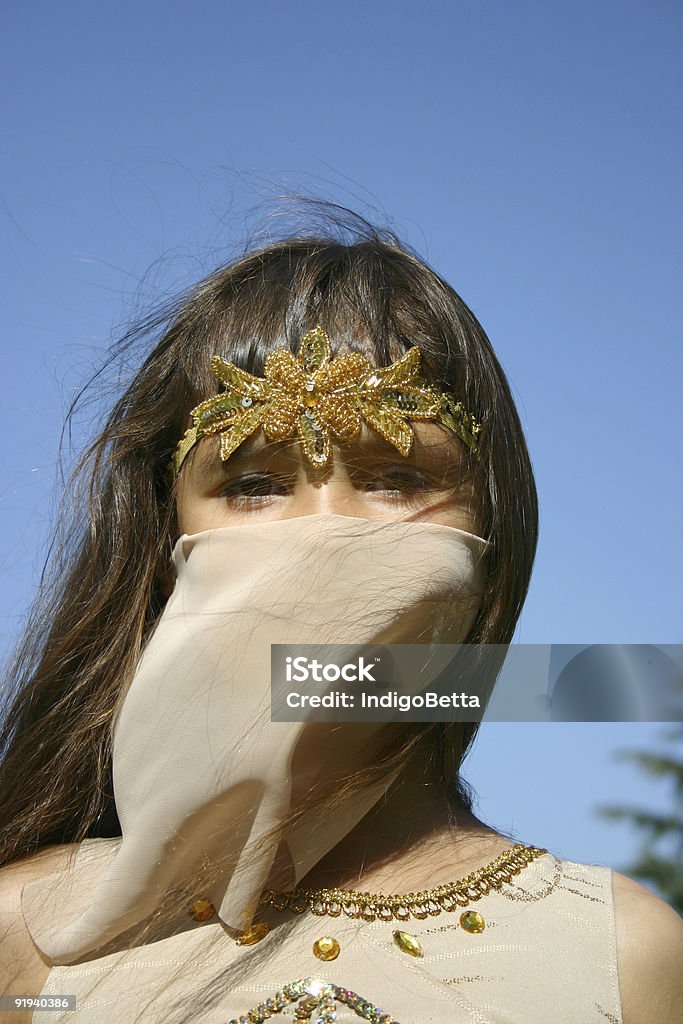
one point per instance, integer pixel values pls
(315, 396)
(315, 997)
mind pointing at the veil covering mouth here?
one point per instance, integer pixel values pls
(201, 774)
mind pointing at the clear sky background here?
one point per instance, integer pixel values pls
(530, 151)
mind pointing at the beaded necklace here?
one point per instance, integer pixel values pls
(429, 902)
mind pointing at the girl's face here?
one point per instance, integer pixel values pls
(263, 481)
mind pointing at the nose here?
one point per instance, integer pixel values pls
(335, 494)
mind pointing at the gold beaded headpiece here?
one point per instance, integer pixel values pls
(314, 396)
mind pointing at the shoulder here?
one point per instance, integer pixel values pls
(649, 954)
(23, 969)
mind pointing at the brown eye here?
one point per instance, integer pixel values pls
(399, 479)
(254, 486)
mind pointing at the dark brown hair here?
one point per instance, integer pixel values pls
(87, 630)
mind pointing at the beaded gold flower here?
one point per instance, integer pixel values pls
(316, 397)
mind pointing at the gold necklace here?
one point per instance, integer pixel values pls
(430, 902)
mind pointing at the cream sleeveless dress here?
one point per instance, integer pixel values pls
(547, 953)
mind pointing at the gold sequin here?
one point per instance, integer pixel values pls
(472, 922)
(311, 396)
(326, 948)
(254, 934)
(202, 910)
(408, 943)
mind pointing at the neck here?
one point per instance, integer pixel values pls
(413, 838)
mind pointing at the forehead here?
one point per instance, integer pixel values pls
(431, 443)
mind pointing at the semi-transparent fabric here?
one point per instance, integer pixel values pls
(547, 953)
(201, 773)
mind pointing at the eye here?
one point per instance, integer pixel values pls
(402, 479)
(254, 487)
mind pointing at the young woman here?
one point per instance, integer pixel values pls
(321, 447)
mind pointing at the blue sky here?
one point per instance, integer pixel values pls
(530, 151)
